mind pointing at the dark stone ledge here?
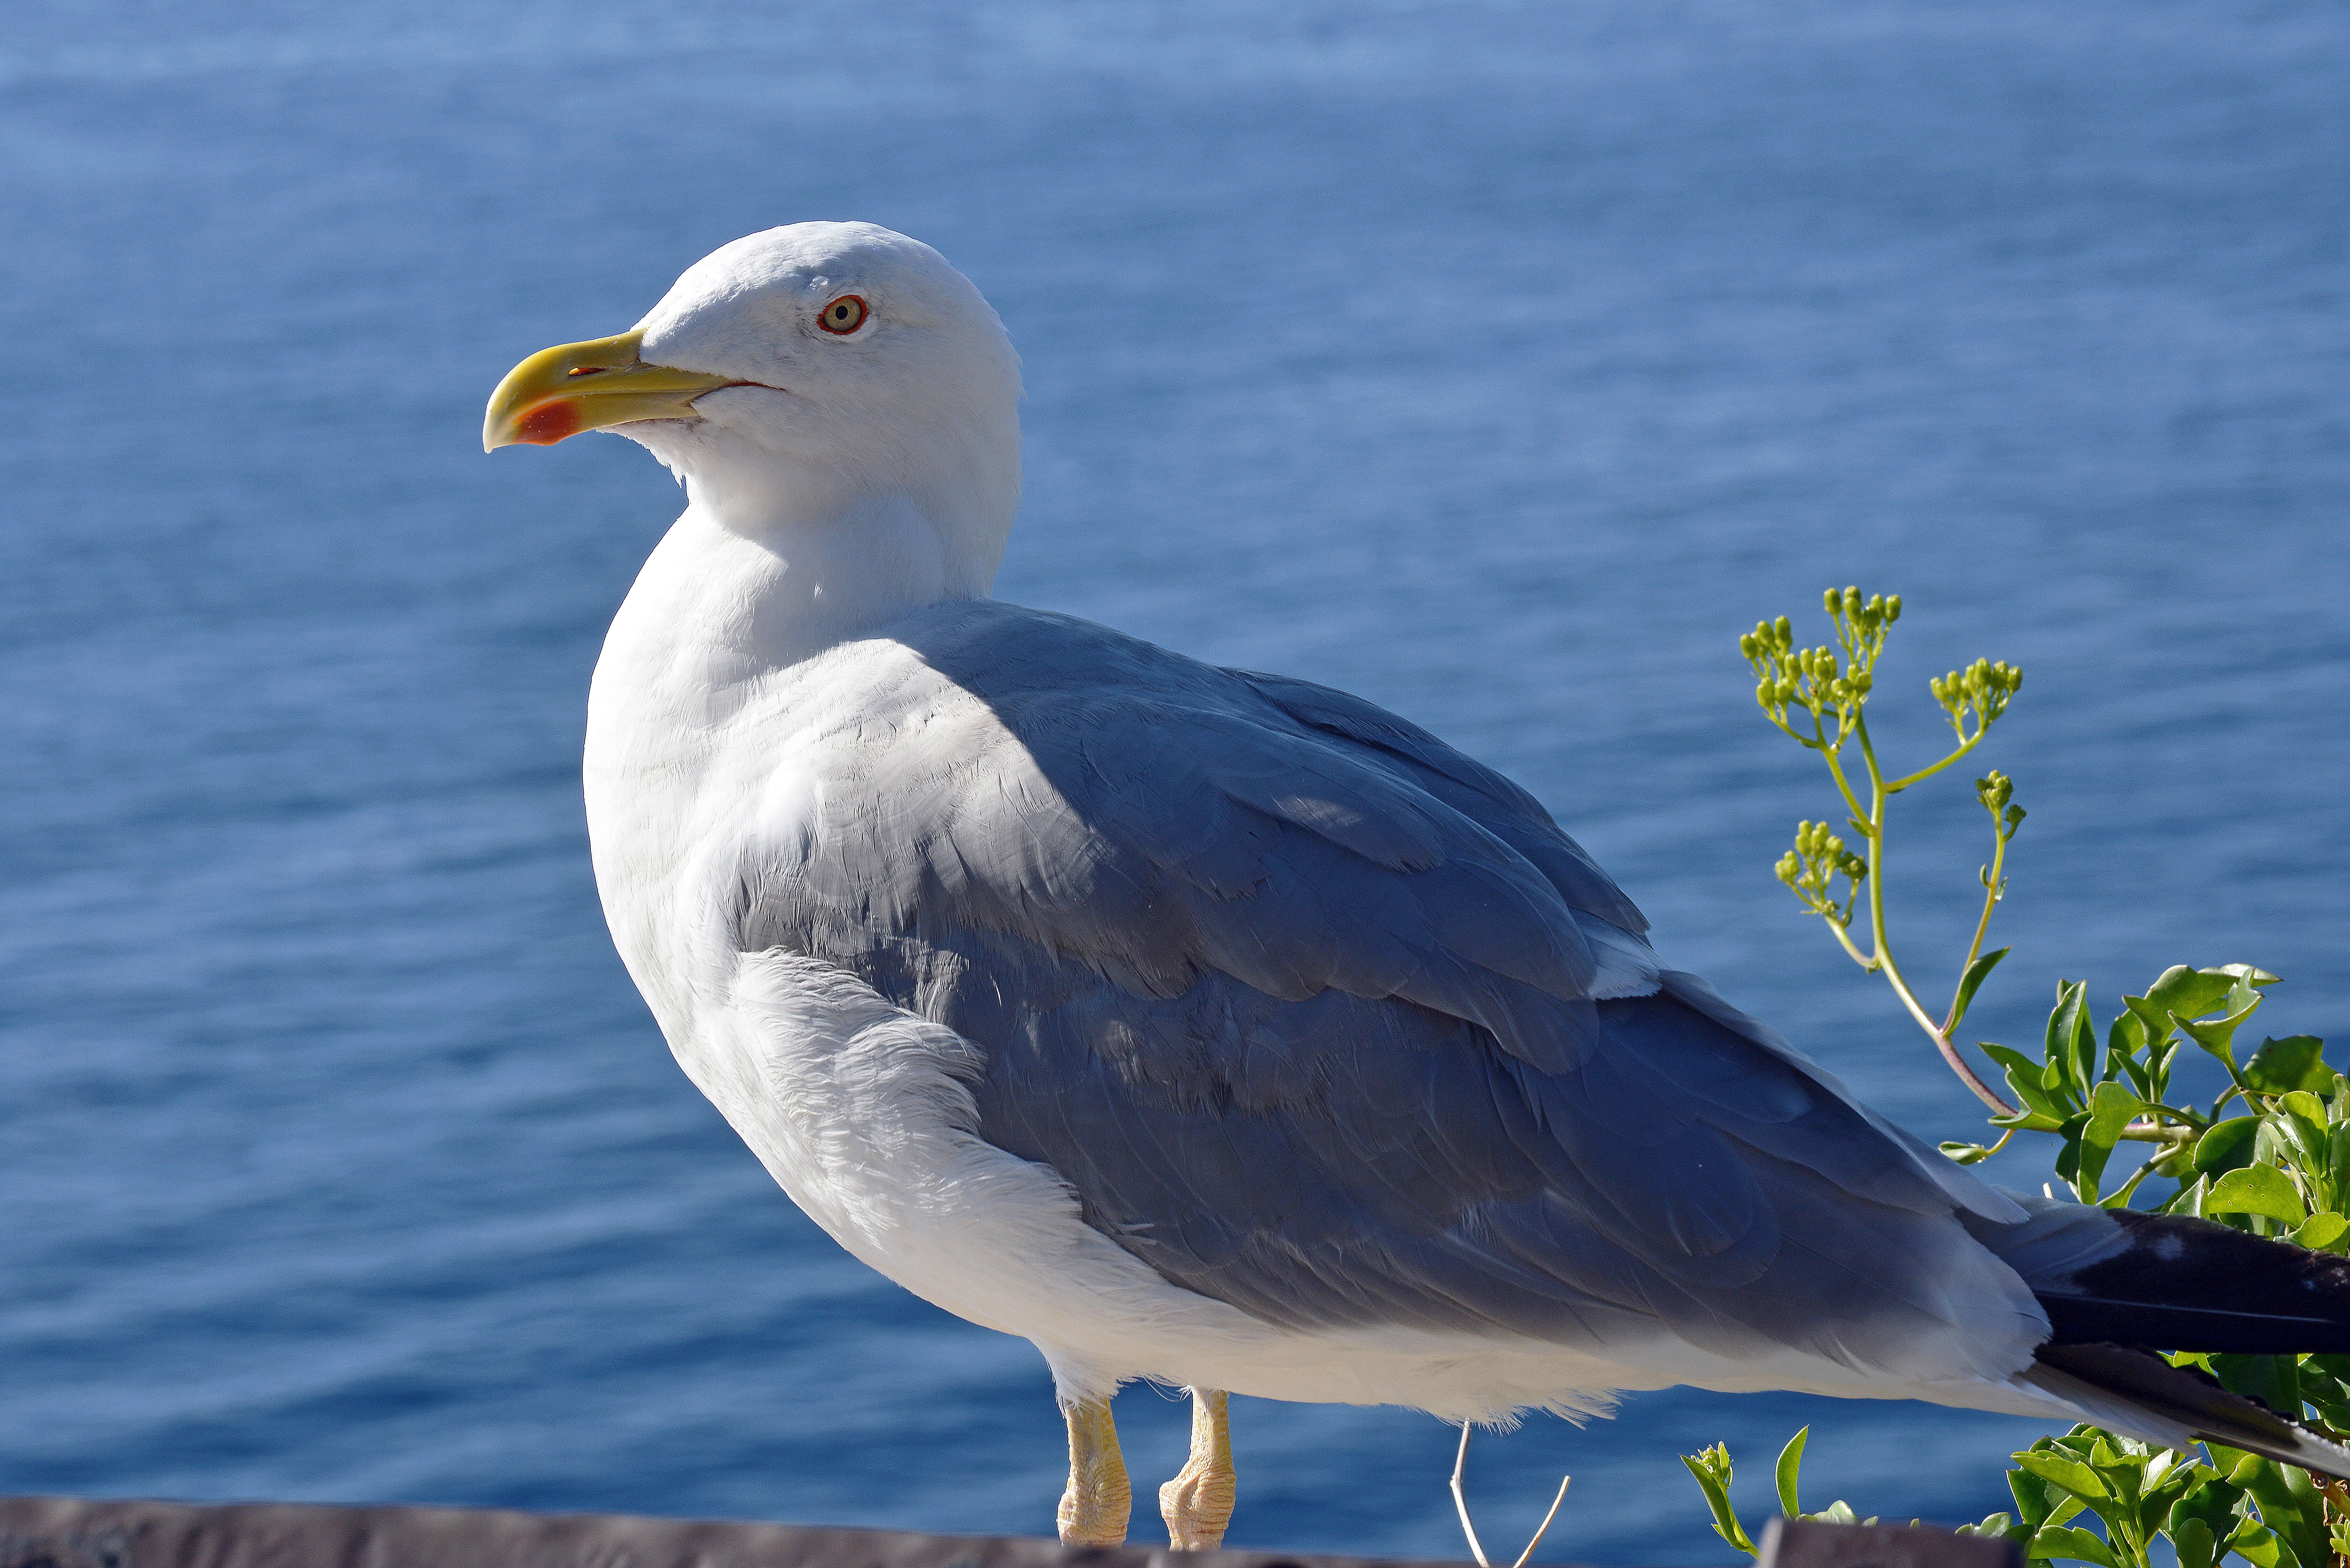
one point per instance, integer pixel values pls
(74, 1532)
(77, 1532)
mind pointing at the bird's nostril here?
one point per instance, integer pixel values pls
(586, 371)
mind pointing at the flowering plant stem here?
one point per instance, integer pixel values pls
(1818, 698)
(1879, 959)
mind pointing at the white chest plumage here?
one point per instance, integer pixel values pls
(701, 759)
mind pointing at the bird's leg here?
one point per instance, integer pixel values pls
(1198, 1503)
(1094, 1510)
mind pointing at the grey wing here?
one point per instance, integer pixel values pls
(1460, 782)
(1301, 1002)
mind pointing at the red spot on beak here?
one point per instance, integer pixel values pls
(549, 422)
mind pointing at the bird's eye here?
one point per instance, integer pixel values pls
(843, 315)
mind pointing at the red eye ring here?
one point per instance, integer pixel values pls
(843, 315)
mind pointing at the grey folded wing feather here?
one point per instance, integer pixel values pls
(1300, 1001)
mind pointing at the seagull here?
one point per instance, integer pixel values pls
(1221, 1028)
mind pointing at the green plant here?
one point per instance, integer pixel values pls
(2271, 1154)
(2271, 1515)
(1712, 1470)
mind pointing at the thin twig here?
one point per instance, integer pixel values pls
(1460, 1502)
(1994, 885)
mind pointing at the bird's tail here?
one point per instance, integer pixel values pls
(2137, 1392)
(2113, 1280)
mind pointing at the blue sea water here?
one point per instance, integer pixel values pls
(1500, 362)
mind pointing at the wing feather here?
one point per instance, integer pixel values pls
(1300, 1002)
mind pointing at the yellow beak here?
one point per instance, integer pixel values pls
(575, 386)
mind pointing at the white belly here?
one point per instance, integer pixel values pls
(860, 1111)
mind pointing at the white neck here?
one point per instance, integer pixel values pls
(776, 560)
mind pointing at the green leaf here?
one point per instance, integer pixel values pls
(2290, 1505)
(2215, 1035)
(2160, 1055)
(2035, 1500)
(2195, 1544)
(2256, 1190)
(2028, 1078)
(2259, 1547)
(2322, 1386)
(1965, 1153)
(2275, 1144)
(2248, 973)
(2039, 1501)
(2274, 1381)
(2167, 1478)
(1789, 1470)
(2187, 1200)
(2121, 1465)
(2156, 1020)
(2068, 1159)
(2190, 992)
(1997, 1527)
(2211, 1504)
(2226, 1145)
(2110, 1110)
(2072, 1043)
(1711, 1469)
(2295, 1062)
(2061, 1540)
(2064, 1472)
(2306, 1113)
(2320, 1232)
(2125, 1039)
(1977, 972)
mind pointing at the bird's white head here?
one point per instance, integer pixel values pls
(814, 380)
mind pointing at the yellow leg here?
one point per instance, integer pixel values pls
(1198, 1503)
(1094, 1510)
